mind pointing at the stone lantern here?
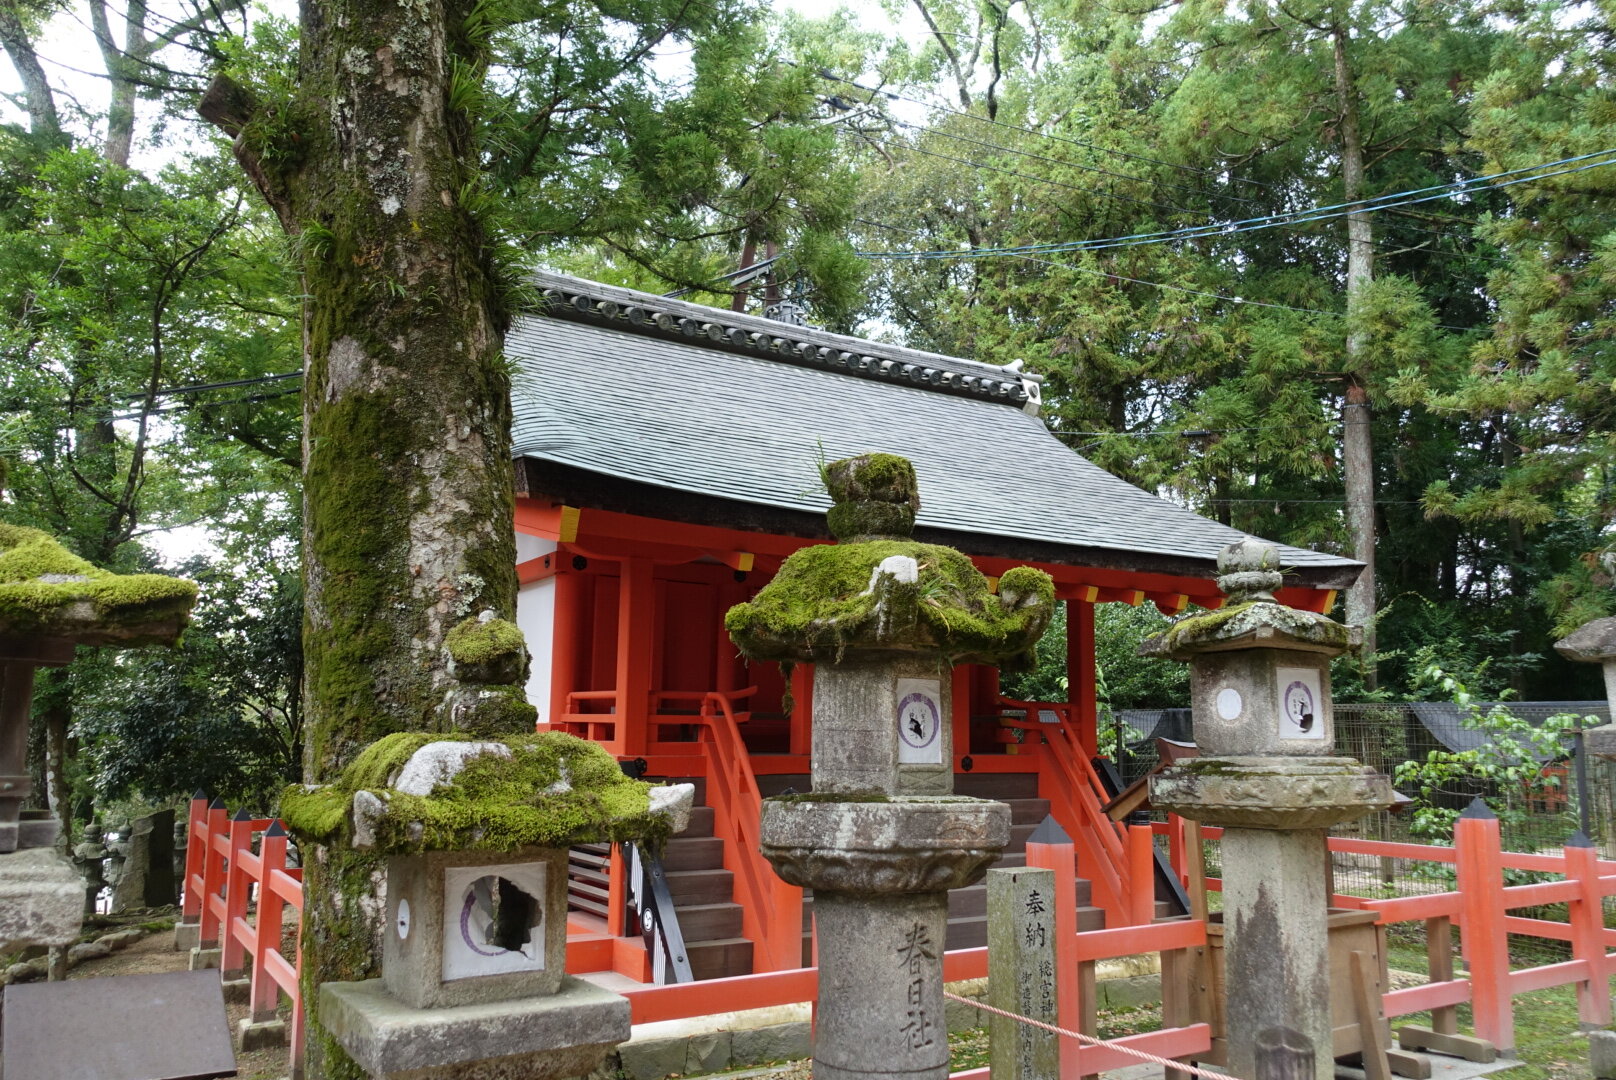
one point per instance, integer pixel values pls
(52, 601)
(475, 833)
(880, 839)
(1268, 774)
(1595, 643)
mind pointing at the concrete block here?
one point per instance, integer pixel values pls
(252, 1036)
(1602, 1054)
(187, 936)
(777, 1042)
(653, 1059)
(203, 959)
(237, 991)
(563, 1035)
(707, 1053)
(1131, 993)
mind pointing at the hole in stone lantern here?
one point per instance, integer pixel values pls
(499, 916)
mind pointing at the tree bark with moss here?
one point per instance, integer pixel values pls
(408, 486)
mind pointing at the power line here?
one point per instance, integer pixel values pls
(1319, 213)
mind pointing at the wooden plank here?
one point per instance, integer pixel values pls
(1419, 1037)
(1423, 998)
(1439, 963)
(1372, 1033)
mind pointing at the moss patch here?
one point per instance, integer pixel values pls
(46, 589)
(1229, 623)
(475, 642)
(494, 804)
(819, 605)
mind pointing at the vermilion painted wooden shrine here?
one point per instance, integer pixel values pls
(667, 464)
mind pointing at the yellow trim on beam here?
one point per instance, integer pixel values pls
(1086, 593)
(744, 560)
(1329, 601)
(993, 584)
(567, 528)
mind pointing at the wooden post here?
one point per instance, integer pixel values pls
(1587, 918)
(1021, 973)
(636, 641)
(1479, 860)
(565, 633)
(1283, 1054)
(802, 709)
(213, 870)
(1080, 689)
(265, 995)
(1049, 848)
(1141, 885)
(237, 889)
(195, 852)
(1439, 965)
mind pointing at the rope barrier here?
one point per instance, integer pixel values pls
(1089, 1040)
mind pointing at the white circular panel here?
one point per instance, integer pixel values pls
(403, 919)
(1229, 703)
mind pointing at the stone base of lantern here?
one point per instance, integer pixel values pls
(41, 899)
(563, 1034)
(880, 987)
(906, 844)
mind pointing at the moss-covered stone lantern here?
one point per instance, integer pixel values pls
(1269, 775)
(881, 839)
(476, 831)
(52, 601)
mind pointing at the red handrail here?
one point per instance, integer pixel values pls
(771, 909)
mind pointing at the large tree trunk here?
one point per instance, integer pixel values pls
(407, 474)
(1357, 451)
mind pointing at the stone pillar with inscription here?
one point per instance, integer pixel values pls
(1021, 973)
(880, 839)
(1268, 774)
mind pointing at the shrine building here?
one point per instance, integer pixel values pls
(667, 461)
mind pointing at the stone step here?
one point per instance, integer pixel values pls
(719, 959)
(1018, 836)
(997, 785)
(686, 852)
(708, 922)
(777, 783)
(1027, 811)
(701, 822)
(700, 886)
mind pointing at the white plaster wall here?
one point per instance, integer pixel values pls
(535, 615)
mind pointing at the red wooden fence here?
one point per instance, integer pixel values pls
(224, 875)
(237, 898)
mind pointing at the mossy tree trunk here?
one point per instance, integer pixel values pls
(407, 473)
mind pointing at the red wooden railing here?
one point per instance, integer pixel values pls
(771, 909)
(1480, 907)
(237, 899)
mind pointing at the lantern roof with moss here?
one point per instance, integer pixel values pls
(878, 590)
(1249, 572)
(49, 594)
(413, 792)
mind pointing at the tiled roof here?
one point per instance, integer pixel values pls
(696, 399)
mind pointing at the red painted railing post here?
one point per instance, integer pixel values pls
(237, 890)
(214, 825)
(1483, 940)
(1049, 848)
(1141, 885)
(265, 994)
(196, 848)
(1587, 918)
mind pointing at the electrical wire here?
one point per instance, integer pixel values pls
(1320, 213)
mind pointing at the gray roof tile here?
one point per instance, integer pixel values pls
(695, 414)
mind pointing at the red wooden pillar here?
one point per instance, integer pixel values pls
(1479, 861)
(1080, 684)
(216, 825)
(237, 890)
(1049, 848)
(636, 640)
(565, 633)
(802, 709)
(1587, 918)
(265, 993)
(196, 850)
(1141, 886)
(960, 706)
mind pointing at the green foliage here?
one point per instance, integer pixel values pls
(1512, 758)
(1125, 680)
(221, 711)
